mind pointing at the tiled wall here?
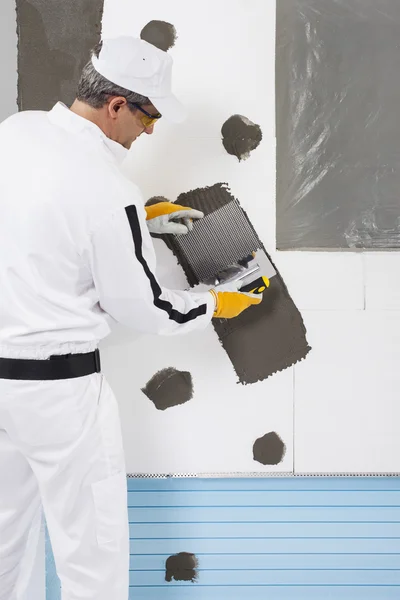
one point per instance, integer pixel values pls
(346, 409)
(306, 538)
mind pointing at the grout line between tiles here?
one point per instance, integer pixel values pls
(364, 281)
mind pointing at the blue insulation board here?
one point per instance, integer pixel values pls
(294, 538)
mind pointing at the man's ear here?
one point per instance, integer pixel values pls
(115, 105)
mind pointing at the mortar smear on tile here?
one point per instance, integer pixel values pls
(240, 136)
(181, 567)
(169, 387)
(269, 449)
(159, 33)
(266, 338)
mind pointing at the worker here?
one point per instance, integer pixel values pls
(76, 254)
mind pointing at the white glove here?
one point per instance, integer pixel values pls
(161, 218)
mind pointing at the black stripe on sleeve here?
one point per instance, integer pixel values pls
(173, 314)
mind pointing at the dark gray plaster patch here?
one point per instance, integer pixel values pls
(160, 34)
(54, 42)
(337, 126)
(266, 338)
(181, 567)
(240, 136)
(269, 449)
(169, 387)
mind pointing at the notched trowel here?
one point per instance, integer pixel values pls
(252, 275)
(223, 248)
(246, 274)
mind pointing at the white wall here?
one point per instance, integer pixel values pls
(224, 64)
(346, 414)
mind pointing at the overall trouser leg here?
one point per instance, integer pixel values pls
(69, 431)
(20, 521)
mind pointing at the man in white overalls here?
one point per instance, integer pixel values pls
(75, 250)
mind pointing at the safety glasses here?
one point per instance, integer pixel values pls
(148, 120)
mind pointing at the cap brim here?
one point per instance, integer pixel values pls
(170, 108)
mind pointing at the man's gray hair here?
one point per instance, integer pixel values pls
(95, 90)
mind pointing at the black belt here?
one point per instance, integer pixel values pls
(66, 366)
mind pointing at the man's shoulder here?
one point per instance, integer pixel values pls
(24, 118)
(27, 129)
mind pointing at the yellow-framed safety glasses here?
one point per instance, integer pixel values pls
(148, 119)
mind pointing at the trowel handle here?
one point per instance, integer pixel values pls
(258, 286)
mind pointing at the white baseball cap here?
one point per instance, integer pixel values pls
(140, 67)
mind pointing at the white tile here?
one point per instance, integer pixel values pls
(212, 433)
(382, 280)
(323, 280)
(347, 409)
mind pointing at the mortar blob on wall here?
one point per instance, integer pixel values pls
(169, 387)
(266, 338)
(160, 34)
(269, 449)
(181, 567)
(240, 136)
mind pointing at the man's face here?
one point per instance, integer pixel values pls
(129, 123)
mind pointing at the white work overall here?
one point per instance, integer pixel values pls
(75, 253)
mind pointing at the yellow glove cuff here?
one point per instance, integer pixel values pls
(213, 293)
(163, 208)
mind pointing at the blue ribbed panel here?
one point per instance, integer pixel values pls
(267, 539)
(277, 539)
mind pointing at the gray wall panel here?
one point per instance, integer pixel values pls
(55, 39)
(338, 124)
